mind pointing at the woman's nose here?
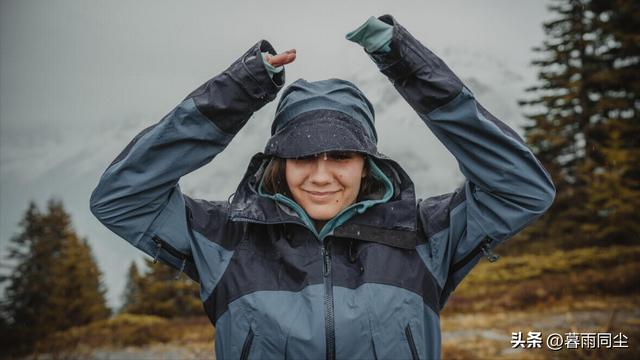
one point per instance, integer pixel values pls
(321, 173)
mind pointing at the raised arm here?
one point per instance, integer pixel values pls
(506, 189)
(138, 196)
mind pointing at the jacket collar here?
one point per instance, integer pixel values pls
(392, 222)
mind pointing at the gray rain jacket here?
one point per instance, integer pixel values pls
(372, 287)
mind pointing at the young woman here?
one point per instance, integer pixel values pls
(324, 251)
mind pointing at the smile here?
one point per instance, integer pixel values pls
(320, 195)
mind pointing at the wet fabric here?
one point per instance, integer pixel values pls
(336, 95)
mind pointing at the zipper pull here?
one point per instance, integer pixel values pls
(326, 256)
(184, 262)
(488, 253)
(155, 257)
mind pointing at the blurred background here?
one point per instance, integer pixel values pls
(79, 79)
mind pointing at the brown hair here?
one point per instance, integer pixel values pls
(275, 181)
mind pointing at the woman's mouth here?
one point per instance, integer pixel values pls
(320, 195)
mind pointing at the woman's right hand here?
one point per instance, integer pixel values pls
(284, 58)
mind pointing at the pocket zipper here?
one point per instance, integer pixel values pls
(246, 347)
(161, 244)
(412, 344)
(482, 247)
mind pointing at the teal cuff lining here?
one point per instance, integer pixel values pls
(345, 214)
(271, 70)
(374, 35)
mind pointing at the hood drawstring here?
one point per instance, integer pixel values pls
(230, 198)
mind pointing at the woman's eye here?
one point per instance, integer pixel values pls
(340, 156)
(335, 156)
(306, 158)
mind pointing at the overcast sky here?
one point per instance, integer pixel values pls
(78, 79)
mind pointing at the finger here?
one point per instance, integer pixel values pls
(288, 59)
(281, 59)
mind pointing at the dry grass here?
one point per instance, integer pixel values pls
(127, 331)
(538, 282)
(583, 290)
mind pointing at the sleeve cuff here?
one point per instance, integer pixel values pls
(252, 74)
(404, 58)
(374, 35)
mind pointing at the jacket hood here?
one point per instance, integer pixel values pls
(391, 222)
(326, 115)
(320, 116)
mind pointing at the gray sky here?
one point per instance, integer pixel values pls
(78, 79)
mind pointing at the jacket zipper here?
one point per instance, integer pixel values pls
(328, 301)
(412, 343)
(246, 347)
(161, 244)
(482, 247)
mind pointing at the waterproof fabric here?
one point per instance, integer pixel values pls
(375, 285)
(338, 95)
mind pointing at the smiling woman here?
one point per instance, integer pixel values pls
(324, 251)
(323, 184)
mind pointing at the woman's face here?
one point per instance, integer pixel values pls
(325, 183)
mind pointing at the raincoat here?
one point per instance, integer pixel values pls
(369, 286)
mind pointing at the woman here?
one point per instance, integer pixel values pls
(324, 251)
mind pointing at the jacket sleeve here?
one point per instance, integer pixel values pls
(138, 196)
(506, 187)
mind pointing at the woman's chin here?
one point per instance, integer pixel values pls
(322, 213)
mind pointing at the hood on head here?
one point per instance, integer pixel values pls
(320, 116)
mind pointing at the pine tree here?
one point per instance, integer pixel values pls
(131, 295)
(586, 129)
(79, 290)
(614, 188)
(162, 294)
(55, 283)
(29, 283)
(563, 131)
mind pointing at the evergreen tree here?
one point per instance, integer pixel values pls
(55, 283)
(131, 295)
(573, 124)
(558, 132)
(614, 187)
(79, 291)
(162, 294)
